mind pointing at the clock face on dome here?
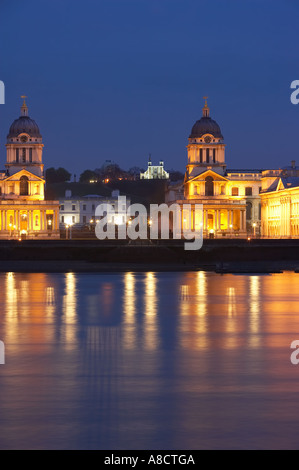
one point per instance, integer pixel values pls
(207, 139)
(24, 138)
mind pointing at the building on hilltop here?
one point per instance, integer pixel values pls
(24, 213)
(154, 172)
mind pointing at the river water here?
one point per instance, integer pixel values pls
(149, 361)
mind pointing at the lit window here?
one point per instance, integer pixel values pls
(235, 191)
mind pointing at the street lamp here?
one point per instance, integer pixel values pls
(66, 231)
(10, 229)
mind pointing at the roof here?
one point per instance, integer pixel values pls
(206, 125)
(290, 182)
(24, 124)
(228, 170)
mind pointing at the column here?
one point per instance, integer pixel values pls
(45, 220)
(56, 219)
(206, 220)
(29, 220)
(219, 219)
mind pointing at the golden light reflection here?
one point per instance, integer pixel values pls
(193, 311)
(150, 322)
(70, 309)
(231, 341)
(11, 295)
(129, 306)
(254, 310)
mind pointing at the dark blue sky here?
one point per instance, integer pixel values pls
(119, 79)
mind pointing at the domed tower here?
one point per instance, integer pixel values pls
(24, 145)
(206, 148)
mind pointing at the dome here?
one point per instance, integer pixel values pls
(26, 125)
(206, 125)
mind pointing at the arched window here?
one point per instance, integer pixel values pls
(24, 186)
(209, 186)
(248, 210)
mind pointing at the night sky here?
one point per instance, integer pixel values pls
(119, 79)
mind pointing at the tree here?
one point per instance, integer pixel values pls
(176, 175)
(88, 175)
(61, 175)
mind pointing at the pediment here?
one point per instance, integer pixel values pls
(280, 185)
(23, 172)
(205, 174)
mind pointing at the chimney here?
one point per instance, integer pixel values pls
(293, 163)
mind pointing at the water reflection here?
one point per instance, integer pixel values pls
(129, 308)
(148, 360)
(150, 312)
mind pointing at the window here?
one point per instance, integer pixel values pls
(23, 155)
(222, 190)
(62, 207)
(214, 155)
(208, 156)
(36, 220)
(11, 189)
(24, 186)
(73, 219)
(62, 219)
(235, 191)
(260, 189)
(248, 191)
(209, 186)
(30, 155)
(84, 207)
(17, 155)
(93, 207)
(200, 155)
(84, 219)
(248, 210)
(73, 207)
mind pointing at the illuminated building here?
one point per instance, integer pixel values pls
(23, 210)
(280, 203)
(154, 172)
(81, 211)
(230, 198)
